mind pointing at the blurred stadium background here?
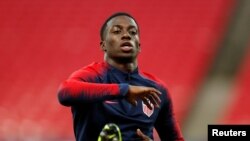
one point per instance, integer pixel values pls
(199, 48)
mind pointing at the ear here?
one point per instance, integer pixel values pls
(139, 47)
(103, 46)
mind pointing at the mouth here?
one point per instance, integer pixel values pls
(126, 46)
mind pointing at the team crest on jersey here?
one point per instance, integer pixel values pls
(146, 110)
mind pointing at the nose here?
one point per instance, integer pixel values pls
(126, 36)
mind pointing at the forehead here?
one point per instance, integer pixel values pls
(122, 21)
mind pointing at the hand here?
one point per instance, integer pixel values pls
(142, 136)
(146, 94)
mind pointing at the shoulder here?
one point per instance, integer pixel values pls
(154, 78)
(160, 84)
(91, 70)
(95, 66)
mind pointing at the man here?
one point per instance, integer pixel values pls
(115, 91)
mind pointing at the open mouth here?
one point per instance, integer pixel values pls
(126, 46)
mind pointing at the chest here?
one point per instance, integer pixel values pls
(121, 109)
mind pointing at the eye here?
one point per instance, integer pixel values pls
(117, 31)
(133, 32)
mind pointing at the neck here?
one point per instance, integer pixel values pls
(125, 66)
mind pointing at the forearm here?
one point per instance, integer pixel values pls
(74, 92)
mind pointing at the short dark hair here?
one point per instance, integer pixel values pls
(104, 26)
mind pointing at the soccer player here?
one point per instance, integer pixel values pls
(116, 91)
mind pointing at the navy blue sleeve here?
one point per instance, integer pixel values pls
(166, 124)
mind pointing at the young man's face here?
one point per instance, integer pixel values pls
(121, 39)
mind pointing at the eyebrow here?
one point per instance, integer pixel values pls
(129, 27)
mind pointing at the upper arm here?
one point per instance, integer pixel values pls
(166, 124)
